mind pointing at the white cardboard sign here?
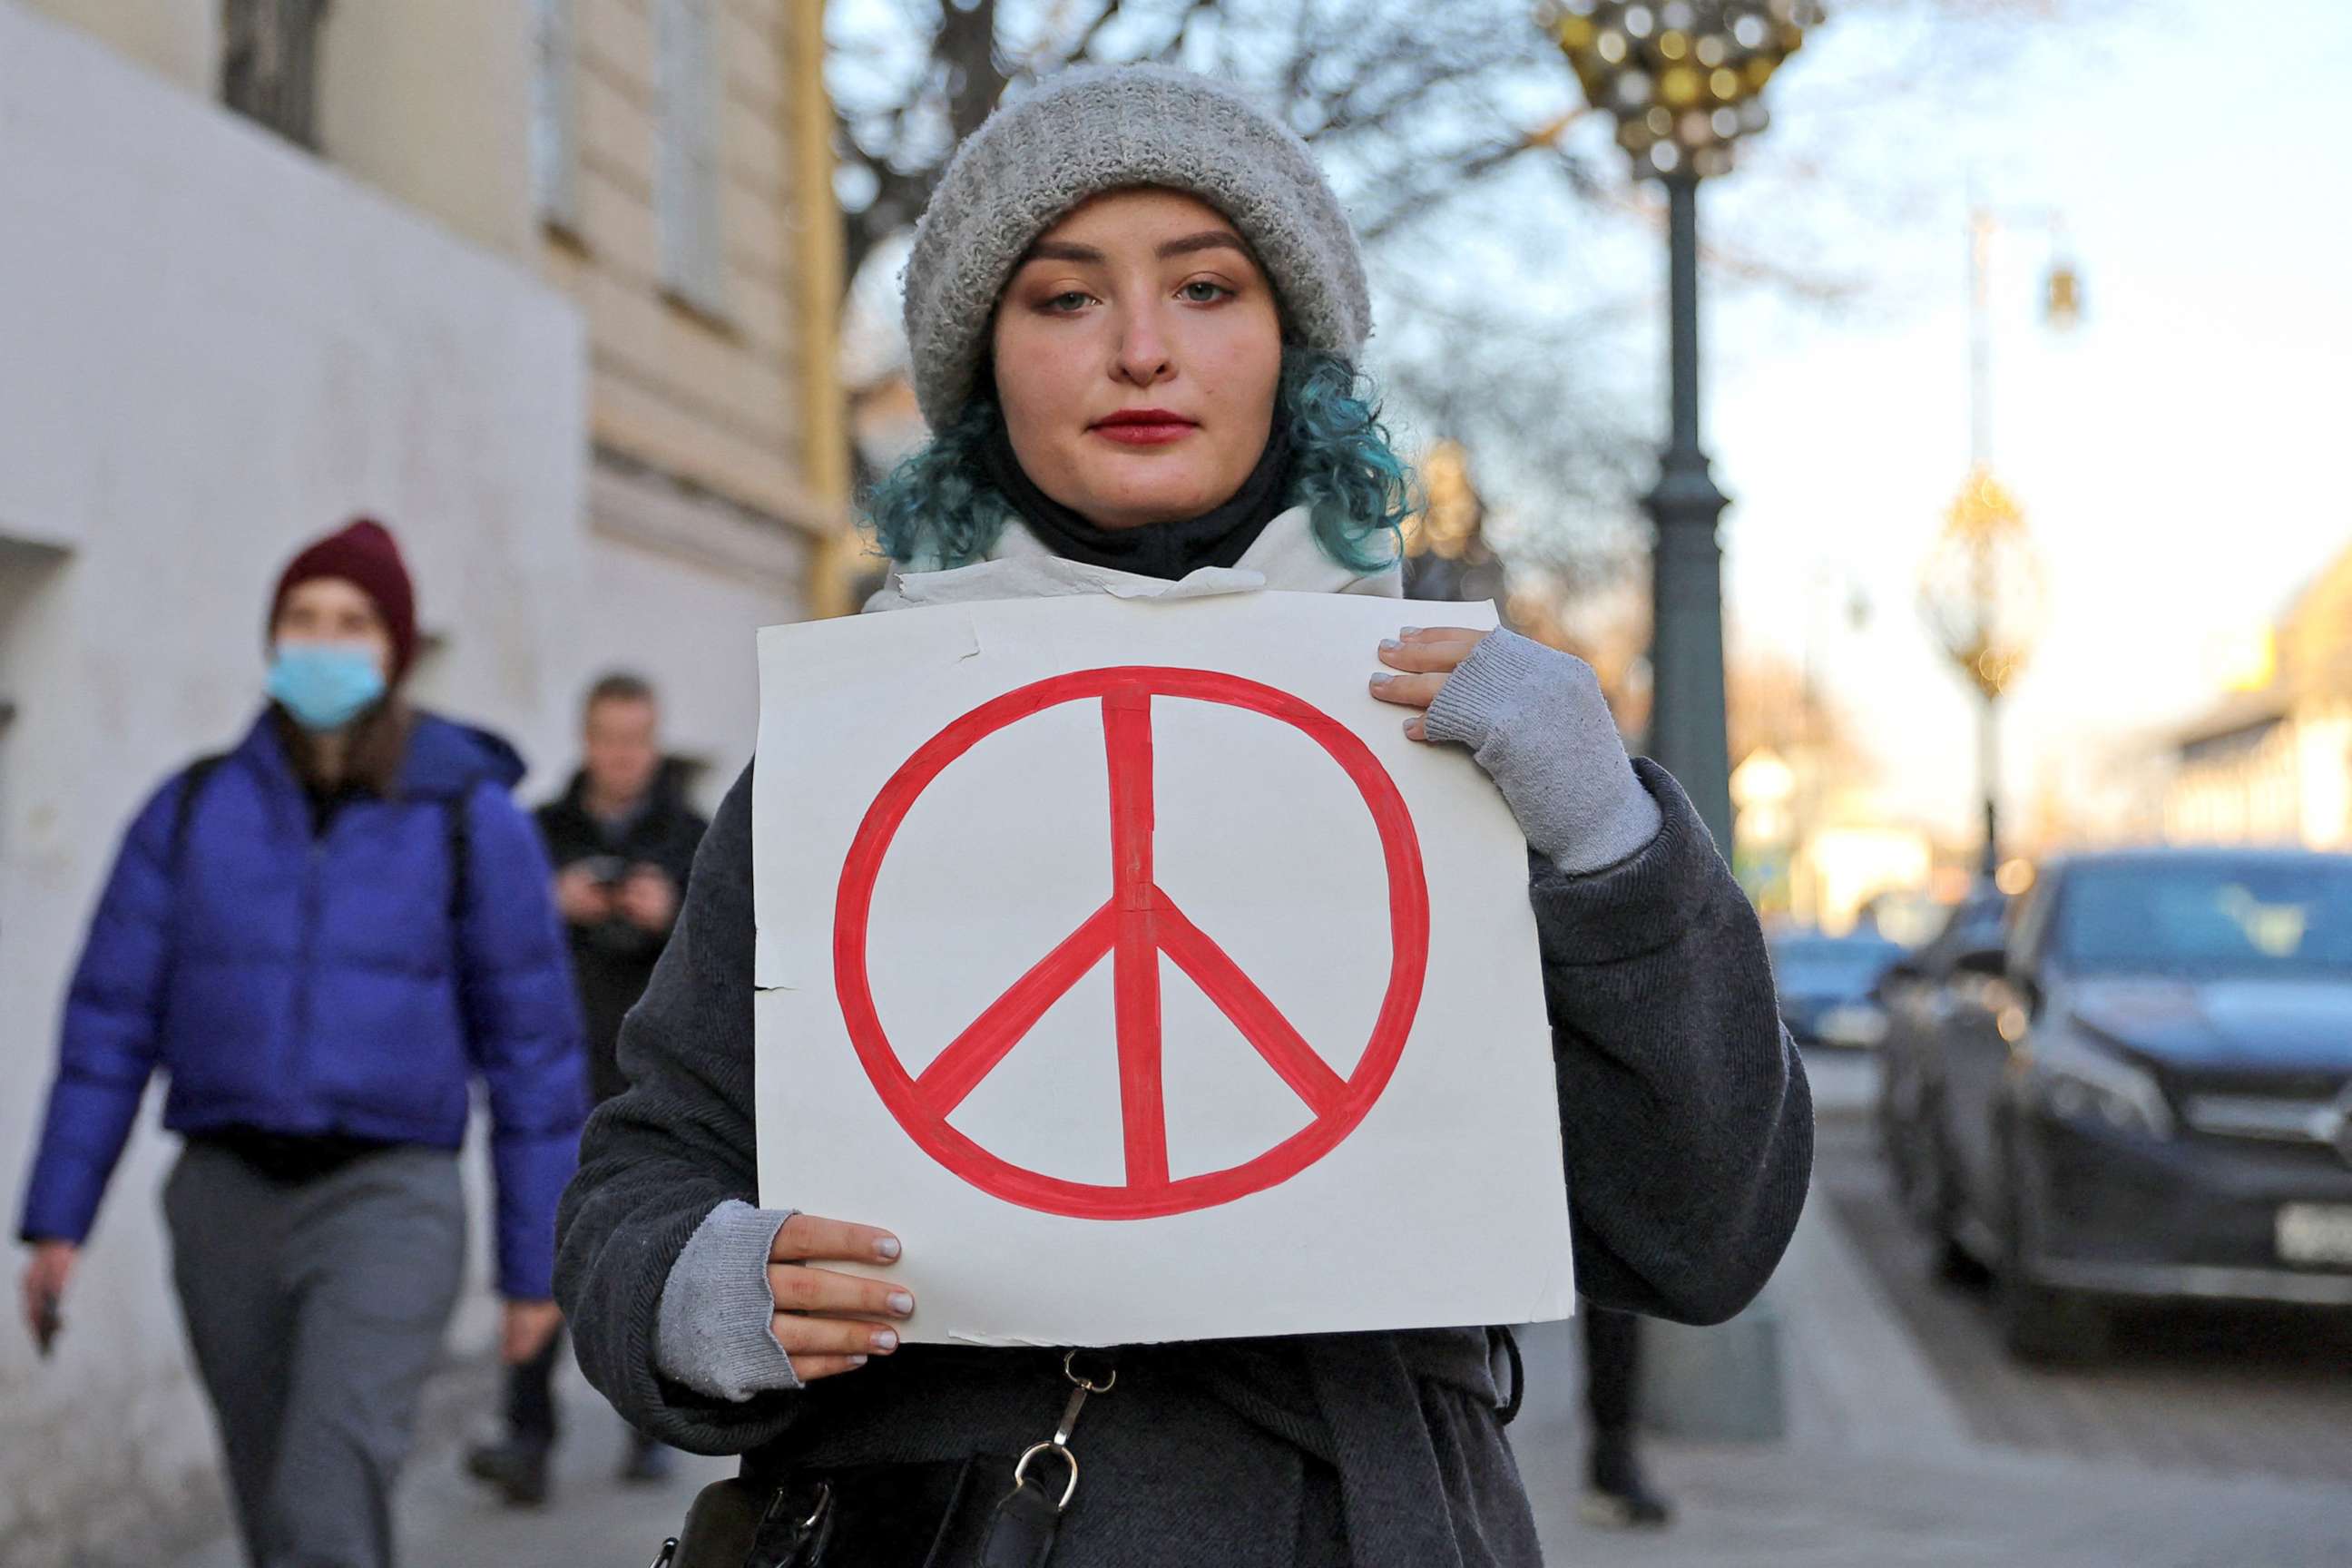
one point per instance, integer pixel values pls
(1128, 962)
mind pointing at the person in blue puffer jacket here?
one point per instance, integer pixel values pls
(323, 938)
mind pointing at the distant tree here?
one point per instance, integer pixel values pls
(1451, 133)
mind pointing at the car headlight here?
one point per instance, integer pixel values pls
(2077, 1081)
(1853, 1024)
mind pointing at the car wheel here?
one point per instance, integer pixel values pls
(1904, 1126)
(2041, 1324)
(1931, 1199)
(1896, 1133)
(1952, 1264)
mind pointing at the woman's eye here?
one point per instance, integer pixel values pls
(1201, 291)
(1065, 304)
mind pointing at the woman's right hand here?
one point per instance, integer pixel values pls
(829, 1323)
(46, 1275)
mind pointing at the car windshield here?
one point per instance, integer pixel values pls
(2205, 916)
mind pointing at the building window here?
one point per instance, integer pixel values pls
(685, 172)
(269, 64)
(554, 116)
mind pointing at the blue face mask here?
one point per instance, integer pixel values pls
(324, 685)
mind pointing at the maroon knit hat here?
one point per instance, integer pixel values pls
(363, 553)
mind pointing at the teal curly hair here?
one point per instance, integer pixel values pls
(936, 509)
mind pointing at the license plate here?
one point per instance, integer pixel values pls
(2316, 1233)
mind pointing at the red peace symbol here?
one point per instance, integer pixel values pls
(1134, 926)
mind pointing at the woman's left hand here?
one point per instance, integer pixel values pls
(1425, 656)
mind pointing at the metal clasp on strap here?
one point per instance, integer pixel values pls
(1085, 1383)
(1069, 1488)
(668, 1554)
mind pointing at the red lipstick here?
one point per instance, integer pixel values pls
(1143, 427)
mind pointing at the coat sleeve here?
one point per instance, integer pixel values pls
(1685, 1116)
(522, 1026)
(107, 1048)
(659, 1158)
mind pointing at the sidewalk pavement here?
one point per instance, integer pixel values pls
(1877, 1471)
(446, 1521)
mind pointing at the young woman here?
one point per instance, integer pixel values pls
(1135, 310)
(323, 938)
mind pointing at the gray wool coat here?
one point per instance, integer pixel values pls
(1688, 1136)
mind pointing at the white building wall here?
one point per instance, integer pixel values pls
(678, 585)
(213, 346)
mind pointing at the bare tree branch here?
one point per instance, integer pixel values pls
(1437, 124)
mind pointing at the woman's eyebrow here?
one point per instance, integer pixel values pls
(1063, 250)
(1207, 239)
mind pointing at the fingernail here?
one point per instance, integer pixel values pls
(857, 1360)
(902, 1303)
(1410, 632)
(1382, 677)
(1389, 645)
(884, 1339)
(887, 1247)
(1413, 728)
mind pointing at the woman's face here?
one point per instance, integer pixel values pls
(335, 610)
(1137, 354)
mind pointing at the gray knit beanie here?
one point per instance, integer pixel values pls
(1098, 129)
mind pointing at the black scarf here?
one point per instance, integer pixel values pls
(1167, 550)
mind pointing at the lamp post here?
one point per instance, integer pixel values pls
(1982, 589)
(1684, 79)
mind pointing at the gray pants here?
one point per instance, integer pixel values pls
(315, 1311)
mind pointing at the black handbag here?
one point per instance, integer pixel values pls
(989, 1510)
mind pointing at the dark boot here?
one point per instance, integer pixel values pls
(1619, 1496)
(649, 1463)
(518, 1469)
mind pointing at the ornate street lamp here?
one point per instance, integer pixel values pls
(1684, 79)
(1981, 592)
(1982, 589)
(1446, 552)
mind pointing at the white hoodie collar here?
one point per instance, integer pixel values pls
(1285, 557)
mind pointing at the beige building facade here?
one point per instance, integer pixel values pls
(547, 286)
(2272, 764)
(665, 163)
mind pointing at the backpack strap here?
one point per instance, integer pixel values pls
(459, 824)
(456, 823)
(192, 783)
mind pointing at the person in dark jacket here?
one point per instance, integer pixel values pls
(323, 938)
(622, 838)
(1135, 310)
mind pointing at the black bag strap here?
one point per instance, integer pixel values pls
(459, 825)
(1508, 1343)
(192, 779)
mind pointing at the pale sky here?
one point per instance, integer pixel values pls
(2180, 457)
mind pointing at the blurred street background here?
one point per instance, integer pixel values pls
(2014, 332)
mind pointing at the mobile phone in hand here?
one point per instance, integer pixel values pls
(45, 1324)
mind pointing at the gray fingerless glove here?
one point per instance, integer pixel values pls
(714, 1333)
(1535, 719)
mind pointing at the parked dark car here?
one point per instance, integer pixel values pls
(1828, 986)
(1914, 996)
(2145, 1091)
